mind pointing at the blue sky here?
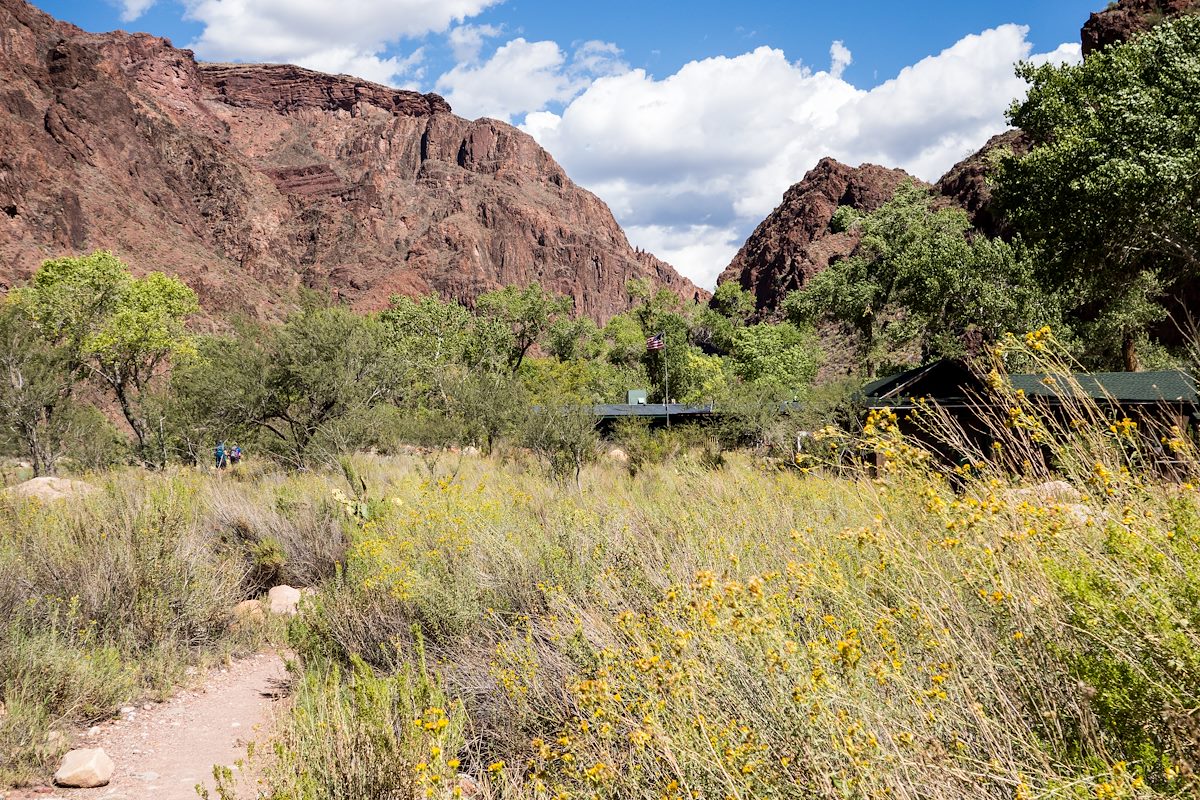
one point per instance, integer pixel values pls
(689, 118)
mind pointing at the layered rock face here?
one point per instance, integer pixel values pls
(966, 183)
(795, 241)
(1123, 20)
(249, 181)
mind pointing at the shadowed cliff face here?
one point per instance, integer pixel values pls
(1123, 20)
(795, 241)
(249, 181)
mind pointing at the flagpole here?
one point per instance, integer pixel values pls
(666, 380)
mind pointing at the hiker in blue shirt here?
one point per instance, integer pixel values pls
(219, 453)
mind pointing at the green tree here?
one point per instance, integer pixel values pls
(781, 355)
(1109, 188)
(919, 282)
(35, 384)
(525, 313)
(562, 433)
(717, 323)
(431, 339)
(571, 339)
(660, 311)
(132, 348)
(88, 316)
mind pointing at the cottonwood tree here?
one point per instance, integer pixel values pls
(1111, 186)
(143, 333)
(525, 314)
(919, 282)
(89, 317)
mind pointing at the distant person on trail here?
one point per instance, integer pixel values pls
(235, 457)
(221, 456)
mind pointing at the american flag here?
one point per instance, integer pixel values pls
(655, 342)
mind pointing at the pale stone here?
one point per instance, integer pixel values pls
(1080, 514)
(618, 455)
(283, 600)
(48, 489)
(1049, 491)
(248, 611)
(468, 786)
(85, 769)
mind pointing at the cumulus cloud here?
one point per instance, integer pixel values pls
(522, 77)
(349, 36)
(692, 161)
(839, 58)
(132, 9)
(466, 41)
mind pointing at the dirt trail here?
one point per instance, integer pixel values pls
(163, 751)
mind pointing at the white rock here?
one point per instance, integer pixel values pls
(247, 611)
(618, 455)
(48, 489)
(283, 600)
(127, 710)
(1049, 491)
(85, 769)
(1080, 514)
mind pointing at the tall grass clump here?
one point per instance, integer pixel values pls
(920, 631)
(103, 600)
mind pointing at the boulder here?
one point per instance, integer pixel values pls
(618, 456)
(284, 600)
(1048, 492)
(248, 611)
(48, 489)
(1080, 514)
(85, 769)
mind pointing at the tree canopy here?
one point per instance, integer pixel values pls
(1109, 190)
(919, 284)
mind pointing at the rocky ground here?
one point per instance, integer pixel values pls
(164, 750)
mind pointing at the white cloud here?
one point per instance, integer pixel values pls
(466, 41)
(132, 9)
(839, 58)
(709, 247)
(348, 36)
(522, 77)
(691, 162)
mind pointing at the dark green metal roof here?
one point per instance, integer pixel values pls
(949, 381)
(1172, 386)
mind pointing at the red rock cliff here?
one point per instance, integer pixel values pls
(795, 242)
(249, 181)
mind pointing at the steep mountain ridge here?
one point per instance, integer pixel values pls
(249, 181)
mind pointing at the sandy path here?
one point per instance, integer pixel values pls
(163, 751)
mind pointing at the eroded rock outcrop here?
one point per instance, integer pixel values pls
(966, 184)
(796, 241)
(1123, 20)
(249, 181)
